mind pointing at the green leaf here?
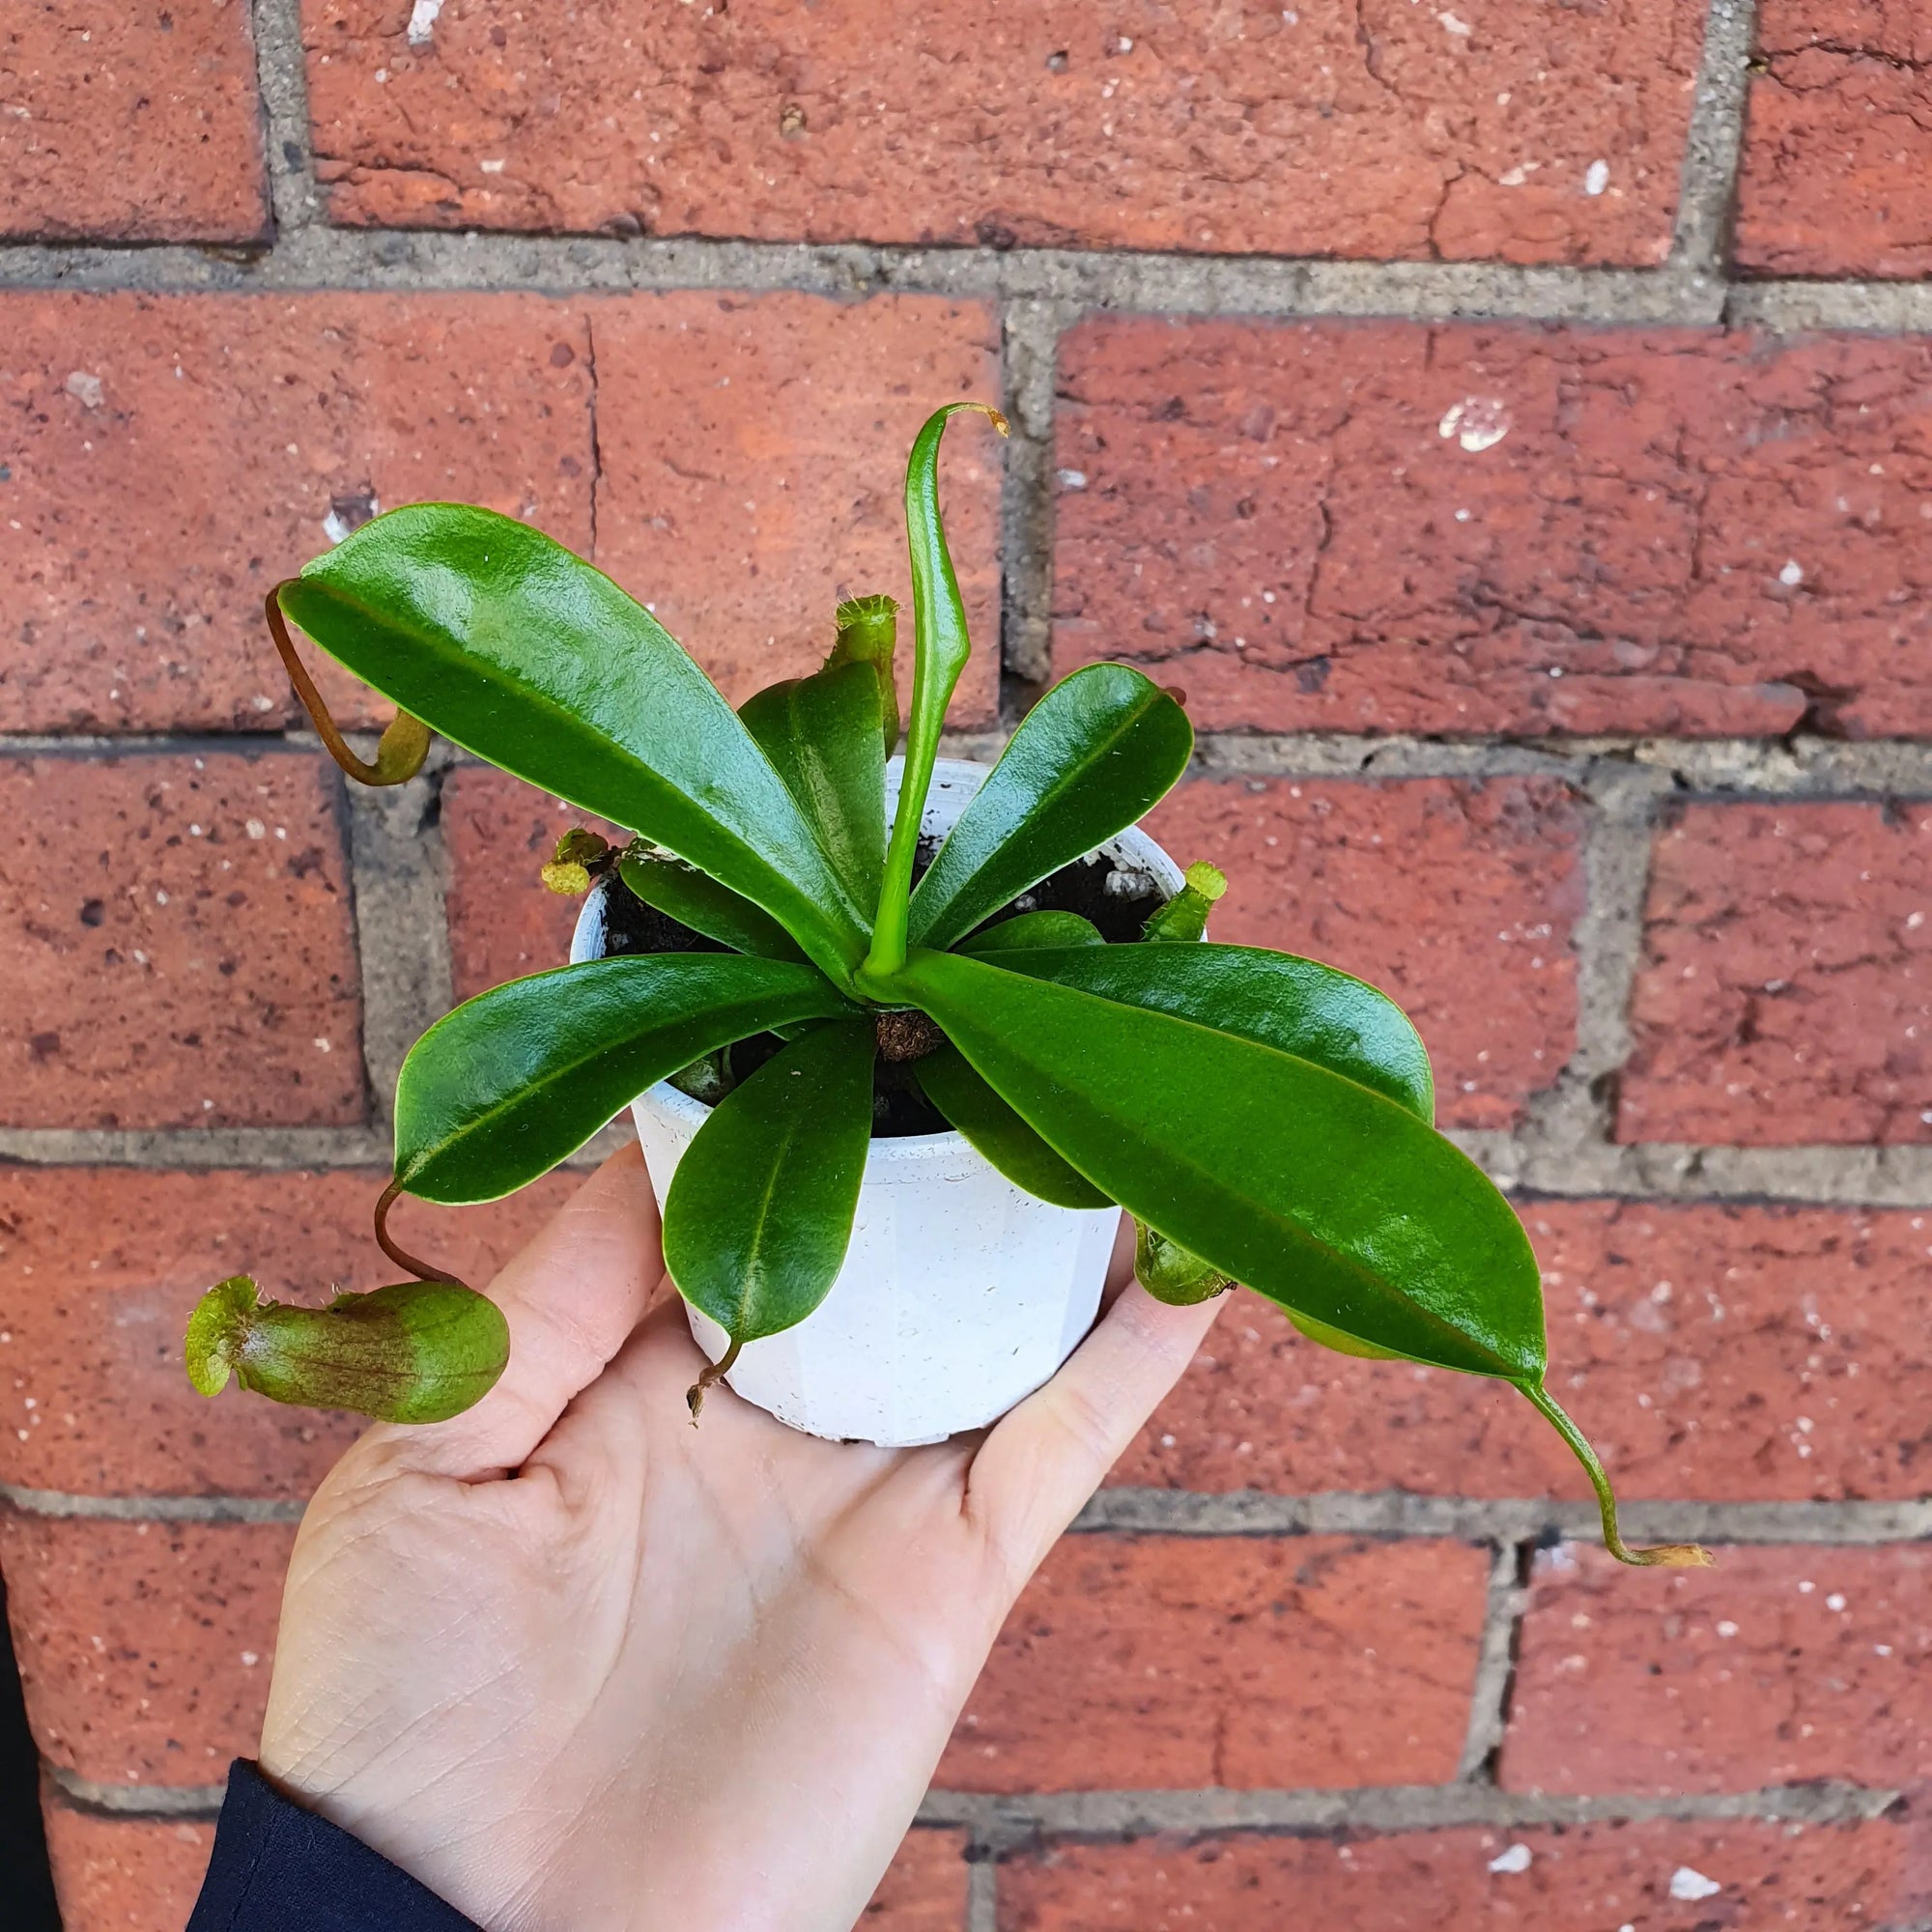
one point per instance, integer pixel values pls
(759, 1212)
(940, 647)
(1321, 1194)
(507, 643)
(698, 901)
(1032, 930)
(502, 1088)
(995, 1130)
(822, 734)
(415, 1351)
(1296, 1005)
(1086, 760)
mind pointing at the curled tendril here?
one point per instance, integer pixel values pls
(404, 741)
(1663, 1555)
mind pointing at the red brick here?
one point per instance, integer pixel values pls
(136, 122)
(926, 1889)
(173, 457)
(1785, 990)
(1730, 1352)
(1779, 1667)
(753, 456)
(177, 938)
(1312, 526)
(1581, 1877)
(1403, 132)
(93, 1395)
(144, 1647)
(1172, 1661)
(1838, 150)
(125, 1874)
(1457, 898)
(498, 834)
(157, 507)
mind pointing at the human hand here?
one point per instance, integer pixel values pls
(578, 1666)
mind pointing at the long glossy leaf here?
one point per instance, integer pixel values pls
(991, 1126)
(940, 647)
(824, 735)
(696, 899)
(1297, 1004)
(1086, 760)
(1030, 932)
(761, 1209)
(502, 1088)
(504, 642)
(1321, 1194)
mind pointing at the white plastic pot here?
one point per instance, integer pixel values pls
(960, 1294)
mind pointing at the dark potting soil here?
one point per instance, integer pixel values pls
(1117, 899)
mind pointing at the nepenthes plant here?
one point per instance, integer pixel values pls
(1264, 1118)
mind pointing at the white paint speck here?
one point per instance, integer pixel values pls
(1515, 1859)
(1459, 28)
(1792, 575)
(1835, 1602)
(86, 389)
(423, 21)
(1727, 1629)
(492, 167)
(1476, 422)
(1073, 479)
(1596, 178)
(255, 828)
(1687, 1883)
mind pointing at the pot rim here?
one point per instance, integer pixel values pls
(951, 778)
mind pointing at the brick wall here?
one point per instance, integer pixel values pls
(1512, 427)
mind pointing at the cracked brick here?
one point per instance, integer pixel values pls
(144, 1647)
(93, 1399)
(1354, 128)
(1784, 996)
(1500, 528)
(177, 943)
(1440, 891)
(172, 457)
(1578, 1878)
(1837, 172)
(1137, 1662)
(1716, 1351)
(1781, 1666)
(125, 1874)
(132, 123)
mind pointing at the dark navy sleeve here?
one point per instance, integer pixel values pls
(278, 1868)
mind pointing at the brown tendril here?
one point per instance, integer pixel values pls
(402, 1257)
(713, 1372)
(405, 741)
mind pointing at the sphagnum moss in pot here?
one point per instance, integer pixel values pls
(894, 1085)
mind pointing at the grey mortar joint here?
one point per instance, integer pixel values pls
(1499, 1521)
(196, 1147)
(1031, 330)
(283, 83)
(1714, 142)
(1495, 1663)
(399, 880)
(1006, 1825)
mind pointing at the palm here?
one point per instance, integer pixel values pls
(667, 1674)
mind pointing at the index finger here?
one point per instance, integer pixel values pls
(571, 1297)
